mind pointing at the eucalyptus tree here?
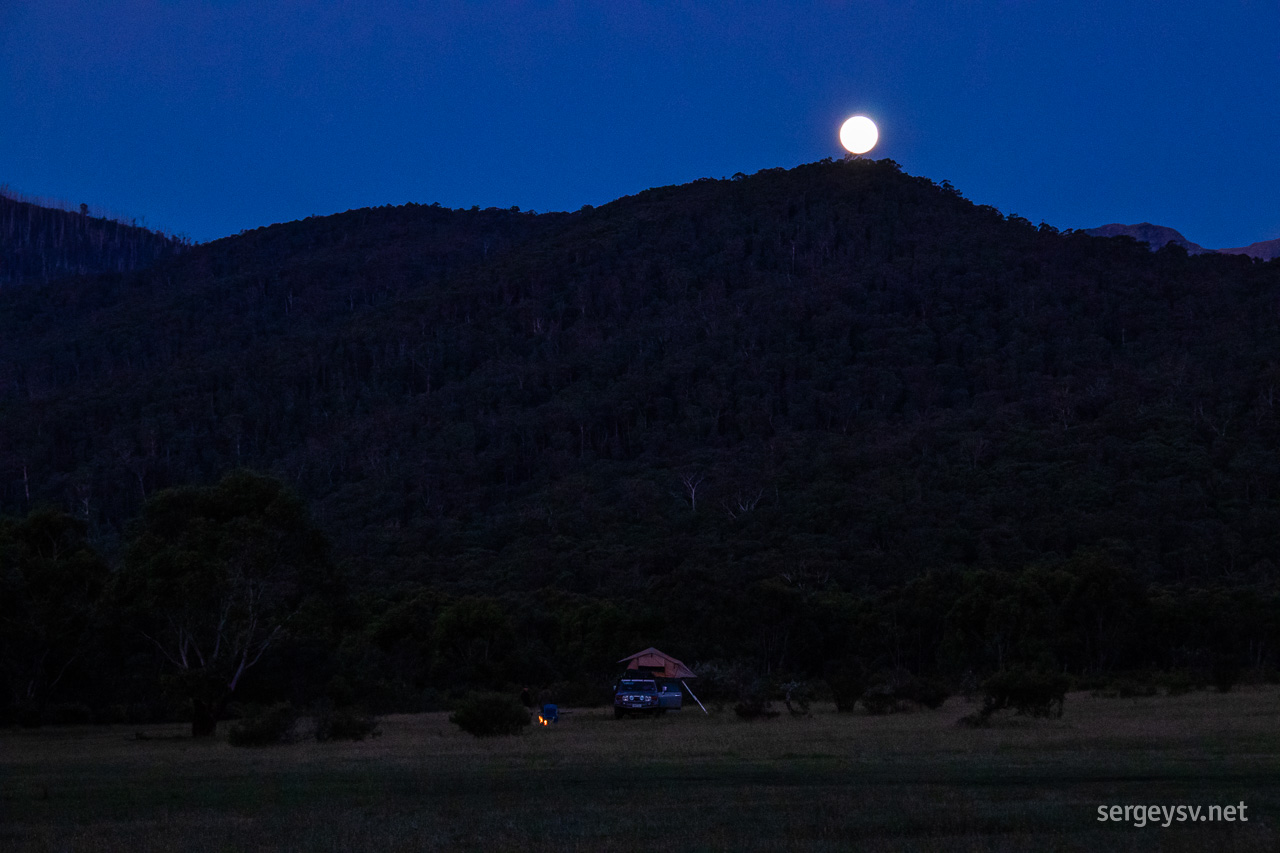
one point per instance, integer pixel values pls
(212, 578)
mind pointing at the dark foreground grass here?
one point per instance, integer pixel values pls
(685, 782)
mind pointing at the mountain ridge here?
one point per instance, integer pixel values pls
(838, 366)
(1265, 250)
(1158, 236)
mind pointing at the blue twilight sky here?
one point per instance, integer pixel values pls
(206, 117)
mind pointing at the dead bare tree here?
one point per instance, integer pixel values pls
(691, 481)
(742, 503)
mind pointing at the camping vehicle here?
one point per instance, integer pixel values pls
(636, 695)
(643, 695)
(639, 690)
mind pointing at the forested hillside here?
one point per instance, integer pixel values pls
(817, 423)
(41, 244)
(840, 369)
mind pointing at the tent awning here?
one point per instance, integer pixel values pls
(659, 663)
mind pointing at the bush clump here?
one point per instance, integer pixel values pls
(797, 695)
(1179, 683)
(32, 715)
(1126, 688)
(925, 692)
(67, 714)
(755, 702)
(755, 708)
(1225, 672)
(880, 700)
(720, 682)
(847, 681)
(29, 716)
(345, 723)
(1028, 692)
(975, 720)
(264, 726)
(900, 691)
(490, 715)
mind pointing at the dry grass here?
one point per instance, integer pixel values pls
(826, 782)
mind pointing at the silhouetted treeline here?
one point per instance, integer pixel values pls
(42, 244)
(225, 594)
(839, 370)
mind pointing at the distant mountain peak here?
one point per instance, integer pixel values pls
(1267, 250)
(1156, 236)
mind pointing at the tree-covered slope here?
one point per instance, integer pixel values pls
(838, 371)
(41, 244)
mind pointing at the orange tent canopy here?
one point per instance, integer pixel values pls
(658, 663)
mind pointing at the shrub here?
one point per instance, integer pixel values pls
(263, 726)
(1179, 683)
(109, 715)
(848, 681)
(1029, 692)
(975, 720)
(880, 700)
(721, 681)
(32, 716)
(1097, 684)
(346, 723)
(797, 695)
(755, 708)
(754, 702)
(1127, 688)
(925, 692)
(490, 715)
(151, 712)
(29, 716)
(1224, 672)
(67, 714)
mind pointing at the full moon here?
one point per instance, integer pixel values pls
(859, 135)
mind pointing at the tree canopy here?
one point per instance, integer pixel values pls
(213, 576)
(51, 587)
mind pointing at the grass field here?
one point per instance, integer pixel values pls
(911, 781)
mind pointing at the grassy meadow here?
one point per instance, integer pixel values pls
(911, 781)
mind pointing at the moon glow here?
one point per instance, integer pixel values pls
(859, 135)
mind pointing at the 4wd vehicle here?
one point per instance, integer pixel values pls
(639, 695)
(636, 696)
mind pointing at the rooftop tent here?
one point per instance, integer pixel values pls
(661, 665)
(658, 664)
